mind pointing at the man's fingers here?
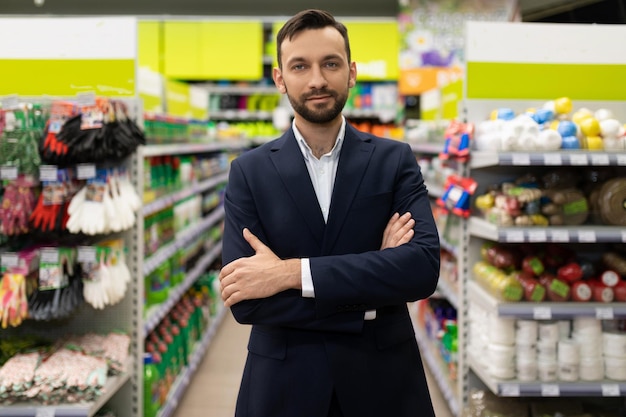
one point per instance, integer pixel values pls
(399, 230)
(254, 241)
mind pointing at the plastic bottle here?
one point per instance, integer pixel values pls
(151, 400)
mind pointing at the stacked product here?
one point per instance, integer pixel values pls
(614, 350)
(171, 344)
(547, 351)
(551, 272)
(74, 370)
(552, 127)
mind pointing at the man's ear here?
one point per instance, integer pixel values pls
(277, 75)
(352, 80)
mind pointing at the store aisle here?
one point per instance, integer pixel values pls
(213, 390)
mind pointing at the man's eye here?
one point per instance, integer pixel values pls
(298, 67)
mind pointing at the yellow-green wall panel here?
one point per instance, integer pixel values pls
(182, 49)
(540, 81)
(373, 43)
(177, 99)
(66, 77)
(433, 114)
(151, 103)
(149, 45)
(451, 96)
(231, 50)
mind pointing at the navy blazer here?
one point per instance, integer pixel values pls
(303, 349)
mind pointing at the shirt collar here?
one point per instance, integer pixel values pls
(306, 150)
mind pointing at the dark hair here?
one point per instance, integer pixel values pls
(309, 19)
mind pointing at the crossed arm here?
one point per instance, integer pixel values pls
(264, 274)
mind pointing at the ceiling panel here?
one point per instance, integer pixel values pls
(273, 8)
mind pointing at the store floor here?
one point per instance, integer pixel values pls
(213, 390)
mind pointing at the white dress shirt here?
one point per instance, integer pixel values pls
(322, 172)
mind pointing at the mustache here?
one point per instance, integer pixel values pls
(320, 92)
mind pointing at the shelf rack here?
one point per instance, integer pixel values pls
(182, 239)
(195, 188)
(182, 381)
(157, 313)
(435, 365)
(563, 234)
(515, 388)
(89, 409)
(544, 310)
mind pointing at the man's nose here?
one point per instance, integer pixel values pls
(318, 80)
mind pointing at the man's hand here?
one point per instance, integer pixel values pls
(399, 230)
(258, 276)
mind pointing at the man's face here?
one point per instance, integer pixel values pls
(316, 74)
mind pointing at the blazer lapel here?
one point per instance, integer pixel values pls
(353, 160)
(288, 160)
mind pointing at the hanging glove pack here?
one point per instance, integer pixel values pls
(106, 278)
(20, 138)
(60, 289)
(97, 133)
(107, 203)
(16, 205)
(50, 213)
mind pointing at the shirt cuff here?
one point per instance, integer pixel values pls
(307, 278)
(370, 315)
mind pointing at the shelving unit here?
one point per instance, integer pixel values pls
(485, 52)
(117, 392)
(484, 169)
(452, 390)
(153, 316)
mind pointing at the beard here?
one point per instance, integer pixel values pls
(320, 113)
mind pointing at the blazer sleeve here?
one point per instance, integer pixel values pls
(392, 276)
(287, 308)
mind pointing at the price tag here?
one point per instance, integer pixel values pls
(87, 98)
(578, 159)
(621, 159)
(49, 256)
(600, 159)
(604, 313)
(552, 159)
(8, 173)
(610, 390)
(10, 102)
(87, 254)
(537, 236)
(550, 390)
(44, 412)
(514, 236)
(9, 260)
(510, 390)
(86, 171)
(560, 236)
(542, 313)
(48, 173)
(520, 159)
(587, 236)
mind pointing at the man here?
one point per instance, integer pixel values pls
(304, 263)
